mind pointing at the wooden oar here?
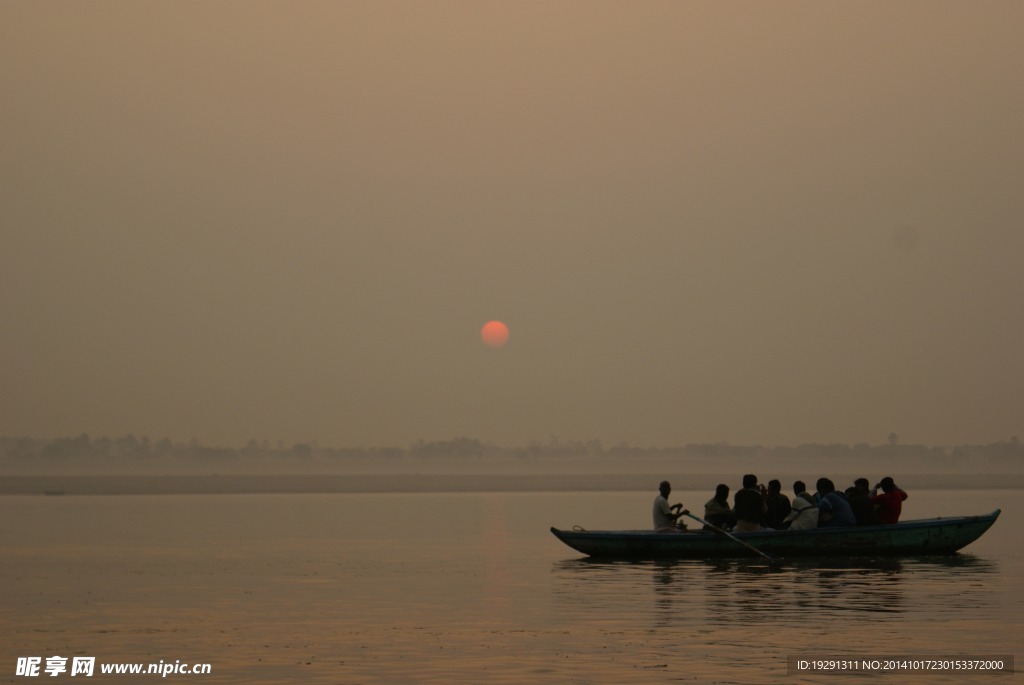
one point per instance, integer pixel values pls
(732, 537)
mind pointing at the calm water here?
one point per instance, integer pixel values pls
(467, 588)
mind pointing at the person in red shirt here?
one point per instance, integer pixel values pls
(889, 502)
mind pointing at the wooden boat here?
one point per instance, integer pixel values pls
(907, 538)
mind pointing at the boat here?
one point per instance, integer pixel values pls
(907, 538)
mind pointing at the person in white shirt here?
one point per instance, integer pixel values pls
(666, 516)
(804, 514)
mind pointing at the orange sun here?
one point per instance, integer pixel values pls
(494, 334)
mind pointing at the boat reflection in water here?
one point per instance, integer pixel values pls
(748, 591)
(747, 594)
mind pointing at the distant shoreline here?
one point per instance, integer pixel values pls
(435, 483)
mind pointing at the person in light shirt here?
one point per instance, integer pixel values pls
(804, 513)
(666, 516)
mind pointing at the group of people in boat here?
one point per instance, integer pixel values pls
(756, 507)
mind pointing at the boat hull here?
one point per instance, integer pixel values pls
(909, 538)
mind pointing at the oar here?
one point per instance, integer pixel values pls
(732, 537)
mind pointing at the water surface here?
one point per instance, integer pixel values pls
(468, 587)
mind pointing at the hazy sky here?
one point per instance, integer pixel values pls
(753, 222)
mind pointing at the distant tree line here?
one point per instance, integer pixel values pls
(84, 449)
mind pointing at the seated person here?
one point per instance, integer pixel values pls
(665, 516)
(860, 501)
(778, 506)
(833, 508)
(890, 502)
(748, 504)
(717, 511)
(804, 512)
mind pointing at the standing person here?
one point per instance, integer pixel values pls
(860, 501)
(890, 502)
(778, 505)
(833, 508)
(665, 516)
(804, 514)
(717, 511)
(749, 505)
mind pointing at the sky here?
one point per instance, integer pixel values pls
(748, 222)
